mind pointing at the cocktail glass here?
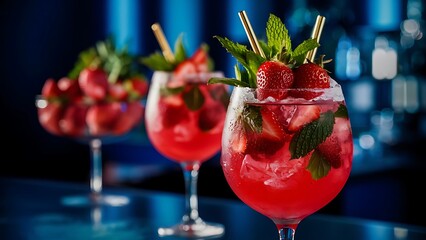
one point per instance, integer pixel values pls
(287, 158)
(92, 123)
(184, 120)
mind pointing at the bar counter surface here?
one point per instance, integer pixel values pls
(33, 209)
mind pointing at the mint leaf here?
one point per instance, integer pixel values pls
(266, 49)
(228, 81)
(299, 54)
(237, 50)
(318, 166)
(247, 58)
(194, 98)
(252, 118)
(180, 53)
(311, 135)
(277, 35)
(157, 62)
(342, 112)
(117, 63)
(168, 91)
(85, 58)
(253, 63)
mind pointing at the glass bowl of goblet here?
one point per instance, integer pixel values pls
(287, 157)
(90, 122)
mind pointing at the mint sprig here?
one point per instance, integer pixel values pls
(157, 62)
(118, 63)
(278, 47)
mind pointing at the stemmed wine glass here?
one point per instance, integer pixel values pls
(288, 157)
(72, 115)
(184, 120)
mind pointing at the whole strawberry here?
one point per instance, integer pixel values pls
(273, 75)
(311, 75)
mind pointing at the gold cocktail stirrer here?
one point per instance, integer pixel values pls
(316, 34)
(164, 45)
(250, 34)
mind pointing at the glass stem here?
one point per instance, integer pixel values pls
(190, 172)
(286, 231)
(95, 166)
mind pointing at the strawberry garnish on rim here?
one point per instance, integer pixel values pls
(201, 60)
(273, 75)
(181, 72)
(311, 75)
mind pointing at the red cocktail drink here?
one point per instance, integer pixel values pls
(184, 116)
(298, 162)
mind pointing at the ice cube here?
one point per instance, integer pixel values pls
(275, 173)
(182, 133)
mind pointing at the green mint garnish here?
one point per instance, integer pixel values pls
(318, 166)
(117, 63)
(194, 98)
(180, 53)
(312, 135)
(278, 37)
(157, 62)
(278, 48)
(342, 112)
(252, 118)
(169, 91)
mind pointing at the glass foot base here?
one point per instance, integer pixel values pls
(196, 230)
(95, 199)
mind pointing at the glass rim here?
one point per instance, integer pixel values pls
(197, 77)
(291, 95)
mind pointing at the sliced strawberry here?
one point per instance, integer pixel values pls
(330, 149)
(271, 129)
(94, 83)
(129, 118)
(273, 75)
(201, 60)
(101, 118)
(50, 89)
(303, 115)
(211, 115)
(73, 122)
(270, 139)
(181, 73)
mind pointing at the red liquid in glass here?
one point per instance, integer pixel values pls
(183, 134)
(275, 185)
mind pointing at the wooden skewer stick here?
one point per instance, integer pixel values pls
(250, 34)
(316, 34)
(164, 45)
